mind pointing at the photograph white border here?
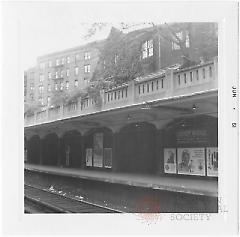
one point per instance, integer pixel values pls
(14, 221)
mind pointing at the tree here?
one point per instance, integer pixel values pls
(120, 55)
(31, 107)
(122, 51)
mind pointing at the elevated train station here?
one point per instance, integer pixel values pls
(163, 126)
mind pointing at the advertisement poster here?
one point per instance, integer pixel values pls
(98, 150)
(212, 161)
(191, 161)
(89, 157)
(108, 157)
(170, 166)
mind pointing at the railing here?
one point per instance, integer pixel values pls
(155, 86)
(54, 113)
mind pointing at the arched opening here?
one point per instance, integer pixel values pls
(25, 149)
(191, 146)
(98, 148)
(33, 150)
(50, 149)
(136, 148)
(71, 149)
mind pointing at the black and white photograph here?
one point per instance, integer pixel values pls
(122, 117)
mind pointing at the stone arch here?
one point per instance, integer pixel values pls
(107, 136)
(136, 148)
(33, 149)
(71, 148)
(50, 149)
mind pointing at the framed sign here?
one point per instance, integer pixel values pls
(212, 161)
(191, 136)
(98, 150)
(170, 162)
(108, 157)
(191, 161)
(89, 157)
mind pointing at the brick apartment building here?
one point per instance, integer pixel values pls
(59, 71)
(144, 51)
(127, 56)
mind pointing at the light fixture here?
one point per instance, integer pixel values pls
(146, 105)
(194, 107)
(182, 124)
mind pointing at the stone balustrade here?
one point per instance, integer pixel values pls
(164, 84)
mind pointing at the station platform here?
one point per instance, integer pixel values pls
(189, 185)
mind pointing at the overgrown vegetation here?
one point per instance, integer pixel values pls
(120, 57)
(30, 108)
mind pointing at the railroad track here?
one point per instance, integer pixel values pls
(37, 200)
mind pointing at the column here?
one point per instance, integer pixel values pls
(114, 152)
(160, 151)
(61, 111)
(215, 70)
(41, 151)
(59, 163)
(102, 95)
(131, 92)
(169, 78)
(82, 153)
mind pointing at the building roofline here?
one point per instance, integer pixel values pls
(80, 47)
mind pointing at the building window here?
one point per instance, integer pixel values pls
(61, 86)
(68, 59)
(49, 63)
(63, 60)
(40, 100)
(61, 74)
(48, 100)
(41, 77)
(76, 83)
(31, 96)
(115, 58)
(67, 85)
(76, 71)
(57, 62)
(56, 74)
(31, 86)
(67, 72)
(49, 75)
(87, 55)
(176, 46)
(87, 68)
(147, 49)
(49, 87)
(56, 86)
(40, 89)
(187, 40)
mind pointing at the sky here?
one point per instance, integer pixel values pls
(50, 27)
(46, 27)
